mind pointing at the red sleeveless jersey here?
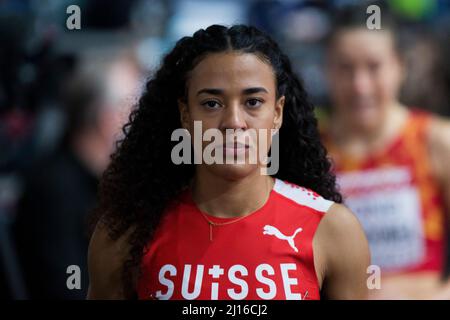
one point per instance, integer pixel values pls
(268, 254)
(397, 200)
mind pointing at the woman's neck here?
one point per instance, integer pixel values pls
(224, 198)
(359, 142)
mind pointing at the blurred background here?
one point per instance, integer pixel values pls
(64, 95)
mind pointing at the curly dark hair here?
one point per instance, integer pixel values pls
(141, 180)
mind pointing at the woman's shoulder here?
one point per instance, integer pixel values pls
(106, 257)
(439, 147)
(342, 254)
(340, 231)
(339, 219)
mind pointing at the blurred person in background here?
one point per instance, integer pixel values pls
(49, 229)
(390, 158)
(31, 73)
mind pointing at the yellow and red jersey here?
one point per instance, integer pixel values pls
(397, 199)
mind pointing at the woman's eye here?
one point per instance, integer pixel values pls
(211, 104)
(254, 103)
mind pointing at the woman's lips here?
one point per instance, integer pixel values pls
(235, 148)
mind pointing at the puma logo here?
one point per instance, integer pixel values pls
(272, 231)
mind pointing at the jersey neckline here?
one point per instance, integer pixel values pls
(413, 115)
(189, 200)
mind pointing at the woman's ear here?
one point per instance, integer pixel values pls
(278, 118)
(184, 113)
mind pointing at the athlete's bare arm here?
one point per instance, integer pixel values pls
(439, 142)
(440, 155)
(105, 262)
(341, 255)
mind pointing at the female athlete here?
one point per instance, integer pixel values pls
(198, 230)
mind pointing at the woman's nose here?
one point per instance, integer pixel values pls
(233, 117)
(362, 83)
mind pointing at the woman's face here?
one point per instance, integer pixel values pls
(365, 74)
(234, 92)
